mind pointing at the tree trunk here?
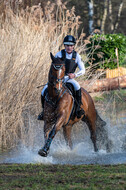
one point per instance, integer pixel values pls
(104, 17)
(104, 84)
(110, 15)
(90, 12)
(118, 16)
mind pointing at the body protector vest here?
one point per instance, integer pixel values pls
(70, 64)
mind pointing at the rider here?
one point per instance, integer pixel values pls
(72, 61)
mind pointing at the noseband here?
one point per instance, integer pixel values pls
(57, 67)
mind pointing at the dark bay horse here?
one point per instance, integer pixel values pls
(58, 107)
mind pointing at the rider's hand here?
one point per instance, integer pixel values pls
(71, 75)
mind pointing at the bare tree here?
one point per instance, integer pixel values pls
(90, 13)
(118, 16)
(104, 16)
(110, 15)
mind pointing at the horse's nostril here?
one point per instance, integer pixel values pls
(59, 80)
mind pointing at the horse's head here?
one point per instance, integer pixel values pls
(56, 73)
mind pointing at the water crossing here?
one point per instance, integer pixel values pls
(82, 153)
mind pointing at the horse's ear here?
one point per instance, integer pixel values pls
(52, 57)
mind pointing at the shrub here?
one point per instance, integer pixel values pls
(101, 50)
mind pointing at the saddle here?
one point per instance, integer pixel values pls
(71, 88)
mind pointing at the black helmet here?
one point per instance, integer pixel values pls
(69, 40)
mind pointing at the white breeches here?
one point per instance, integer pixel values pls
(74, 83)
(43, 90)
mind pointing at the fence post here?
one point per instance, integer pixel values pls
(117, 56)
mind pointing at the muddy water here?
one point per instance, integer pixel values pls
(82, 152)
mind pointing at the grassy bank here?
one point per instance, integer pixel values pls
(37, 176)
(118, 96)
(112, 104)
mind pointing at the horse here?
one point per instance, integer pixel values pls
(59, 105)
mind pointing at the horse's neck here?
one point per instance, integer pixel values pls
(51, 93)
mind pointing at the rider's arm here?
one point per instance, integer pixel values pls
(58, 54)
(80, 65)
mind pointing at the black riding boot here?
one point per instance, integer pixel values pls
(79, 110)
(40, 116)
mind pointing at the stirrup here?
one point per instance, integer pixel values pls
(40, 116)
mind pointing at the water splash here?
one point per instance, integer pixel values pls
(82, 152)
(25, 155)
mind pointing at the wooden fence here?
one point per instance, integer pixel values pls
(115, 72)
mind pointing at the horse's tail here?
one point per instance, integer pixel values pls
(99, 120)
(102, 136)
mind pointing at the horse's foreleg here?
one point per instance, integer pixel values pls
(47, 129)
(67, 135)
(45, 150)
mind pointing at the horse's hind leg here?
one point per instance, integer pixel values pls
(67, 135)
(92, 128)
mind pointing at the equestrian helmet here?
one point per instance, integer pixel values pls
(69, 40)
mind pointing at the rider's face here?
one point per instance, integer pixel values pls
(69, 48)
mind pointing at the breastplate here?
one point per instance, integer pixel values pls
(70, 66)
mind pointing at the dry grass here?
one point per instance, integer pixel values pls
(26, 40)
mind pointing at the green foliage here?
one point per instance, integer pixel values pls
(101, 49)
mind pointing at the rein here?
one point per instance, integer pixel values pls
(55, 81)
(57, 67)
(51, 101)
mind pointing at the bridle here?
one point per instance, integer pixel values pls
(55, 79)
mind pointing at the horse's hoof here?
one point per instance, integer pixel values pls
(43, 152)
(96, 149)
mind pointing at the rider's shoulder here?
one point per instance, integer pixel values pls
(78, 56)
(58, 54)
